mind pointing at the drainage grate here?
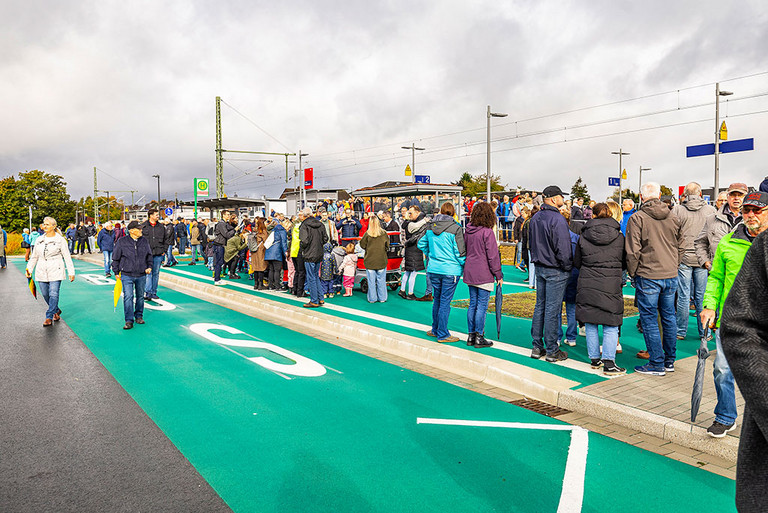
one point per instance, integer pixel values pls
(540, 407)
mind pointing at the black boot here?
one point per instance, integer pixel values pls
(480, 341)
(471, 339)
(259, 285)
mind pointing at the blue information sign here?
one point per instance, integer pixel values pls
(422, 179)
(725, 147)
(614, 181)
(169, 211)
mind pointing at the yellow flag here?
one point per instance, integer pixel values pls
(118, 289)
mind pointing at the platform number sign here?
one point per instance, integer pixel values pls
(201, 187)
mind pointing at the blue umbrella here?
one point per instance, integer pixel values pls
(499, 299)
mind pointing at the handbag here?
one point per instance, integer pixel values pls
(25, 244)
(270, 240)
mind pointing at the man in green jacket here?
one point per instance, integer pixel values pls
(725, 266)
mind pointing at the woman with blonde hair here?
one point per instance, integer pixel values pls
(49, 256)
(256, 241)
(375, 242)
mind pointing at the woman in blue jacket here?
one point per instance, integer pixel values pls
(443, 245)
(106, 243)
(274, 256)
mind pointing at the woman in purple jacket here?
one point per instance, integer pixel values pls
(481, 270)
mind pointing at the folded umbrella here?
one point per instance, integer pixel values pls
(32, 287)
(499, 299)
(698, 380)
(118, 291)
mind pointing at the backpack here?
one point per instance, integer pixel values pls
(270, 240)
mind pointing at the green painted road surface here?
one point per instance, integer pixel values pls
(414, 318)
(276, 420)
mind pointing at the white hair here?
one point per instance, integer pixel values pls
(650, 190)
(306, 212)
(50, 221)
(692, 189)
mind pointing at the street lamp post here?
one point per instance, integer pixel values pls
(488, 116)
(158, 190)
(620, 154)
(413, 149)
(640, 180)
(718, 94)
(303, 190)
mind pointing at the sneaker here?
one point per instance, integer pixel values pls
(582, 331)
(218, 283)
(571, 343)
(717, 430)
(412, 297)
(449, 339)
(426, 297)
(558, 356)
(128, 325)
(669, 367)
(611, 369)
(596, 363)
(651, 371)
(538, 352)
(402, 294)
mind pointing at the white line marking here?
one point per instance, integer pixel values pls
(501, 346)
(243, 356)
(572, 494)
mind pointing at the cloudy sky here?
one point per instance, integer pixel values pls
(130, 87)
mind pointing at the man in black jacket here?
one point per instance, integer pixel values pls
(313, 236)
(158, 240)
(131, 261)
(221, 234)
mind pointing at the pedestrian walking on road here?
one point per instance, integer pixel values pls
(744, 326)
(82, 240)
(482, 270)
(599, 300)
(26, 246)
(654, 246)
(443, 244)
(375, 242)
(132, 263)
(550, 242)
(48, 259)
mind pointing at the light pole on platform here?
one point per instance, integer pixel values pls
(488, 116)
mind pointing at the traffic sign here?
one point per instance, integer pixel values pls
(169, 211)
(201, 187)
(408, 171)
(727, 147)
(624, 174)
(723, 132)
(422, 179)
(309, 178)
(614, 181)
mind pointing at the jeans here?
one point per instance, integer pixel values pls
(377, 285)
(50, 292)
(182, 246)
(519, 255)
(531, 272)
(196, 249)
(550, 289)
(443, 287)
(687, 276)
(428, 290)
(408, 281)
(508, 232)
(71, 245)
(169, 255)
(572, 329)
(610, 340)
(129, 284)
(313, 281)
(725, 409)
(107, 261)
(658, 296)
(478, 309)
(218, 262)
(154, 277)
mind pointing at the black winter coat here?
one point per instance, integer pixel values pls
(414, 230)
(600, 259)
(312, 237)
(158, 237)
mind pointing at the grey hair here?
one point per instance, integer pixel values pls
(51, 221)
(306, 212)
(650, 190)
(692, 189)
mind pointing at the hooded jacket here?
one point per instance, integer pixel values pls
(483, 264)
(654, 242)
(443, 243)
(222, 233)
(600, 259)
(715, 227)
(279, 247)
(550, 239)
(312, 237)
(729, 257)
(693, 213)
(414, 230)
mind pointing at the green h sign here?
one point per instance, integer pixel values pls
(201, 189)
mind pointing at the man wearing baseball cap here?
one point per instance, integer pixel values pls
(744, 324)
(550, 242)
(718, 224)
(727, 263)
(132, 261)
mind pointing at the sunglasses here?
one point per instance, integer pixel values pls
(755, 210)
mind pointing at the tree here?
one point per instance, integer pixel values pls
(626, 193)
(477, 185)
(45, 193)
(579, 190)
(666, 191)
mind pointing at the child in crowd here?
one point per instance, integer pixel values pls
(339, 252)
(348, 269)
(327, 270)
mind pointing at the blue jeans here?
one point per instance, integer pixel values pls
(169, 255)
(572, 329)
(443, 287)
(519, 254)
(427, 290)
(182, 246)
(377, 285)
(154, 277)
(197, 249)
(478, 309)
(107, 261)
(71, 245)
(218, 261)
(687, 276)
(531, 272)
(313, 281)
(50, 292)
(610, 340)
(657, 297)
(550, 289)
(129, 284)
(725, 409)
